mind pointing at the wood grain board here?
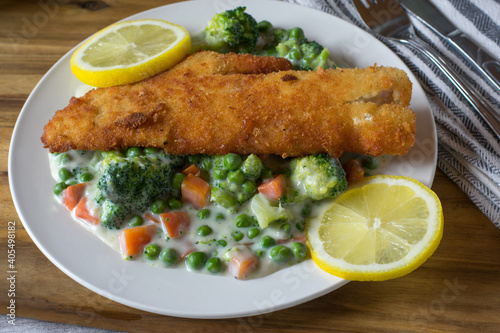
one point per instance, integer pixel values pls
(457, 289)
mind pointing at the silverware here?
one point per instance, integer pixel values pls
(387, 18)
(429, 15)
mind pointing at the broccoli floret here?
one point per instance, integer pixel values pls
(231, 31)
(314, 56)
(113, 214)
(311, 48)
(223, 197)
(252, 167)
(267, 211)
(128, 185)
(317, 177)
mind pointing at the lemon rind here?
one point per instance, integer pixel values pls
(118, 75)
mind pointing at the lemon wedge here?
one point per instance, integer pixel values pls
(130, 51)
(382, 228)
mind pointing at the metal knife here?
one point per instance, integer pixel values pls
(428, 14)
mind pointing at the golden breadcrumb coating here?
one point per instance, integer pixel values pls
(220, 103)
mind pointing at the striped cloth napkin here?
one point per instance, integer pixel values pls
(468, 151)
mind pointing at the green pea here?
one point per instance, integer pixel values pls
(221, 242)
(299, 250)
(65, 174)
(236, 176)
(286, 227)
(232, 161)
(219, 174)
(112, 153)
(237, 235)
(64, 158)
(196, 260)
(86, 177)
(214, 265)
(158, 206)
(296, 33)
(243, 221)
(204, 230)
(169, 256)
(267, 241)
(59, 187)
(174, 203)
(203, 213)
(177, 180)
(152, 251)
(249, 186)
(264, 26)
(252, 167)
(136, 221)
(280, 253)
(134, 152)
(220, 217)
(151, 151)
(253, 232)
(241, 197)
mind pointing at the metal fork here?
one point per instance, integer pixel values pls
(387, 18)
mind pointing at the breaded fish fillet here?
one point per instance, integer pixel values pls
(215, 104)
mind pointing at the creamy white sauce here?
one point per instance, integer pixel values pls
(222, 229)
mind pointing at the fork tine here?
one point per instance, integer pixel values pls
(376, 12)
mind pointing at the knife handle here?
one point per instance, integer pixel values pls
(484, 62)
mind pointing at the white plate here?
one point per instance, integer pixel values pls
(86, 259)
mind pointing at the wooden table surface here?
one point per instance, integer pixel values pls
(457, 289)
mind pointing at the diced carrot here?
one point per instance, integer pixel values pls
(242, 262)
(152, 218)
(192, 169)
(273, 188)
(133, 240)
(195, 191)
(301, 239)
(82, 211)
(176, 223)
(73, 194)
(353, 170)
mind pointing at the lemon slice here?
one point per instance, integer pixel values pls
(382, 228)
(130, 51)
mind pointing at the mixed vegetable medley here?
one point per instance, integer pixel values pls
(234, 215)
(237, 31)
